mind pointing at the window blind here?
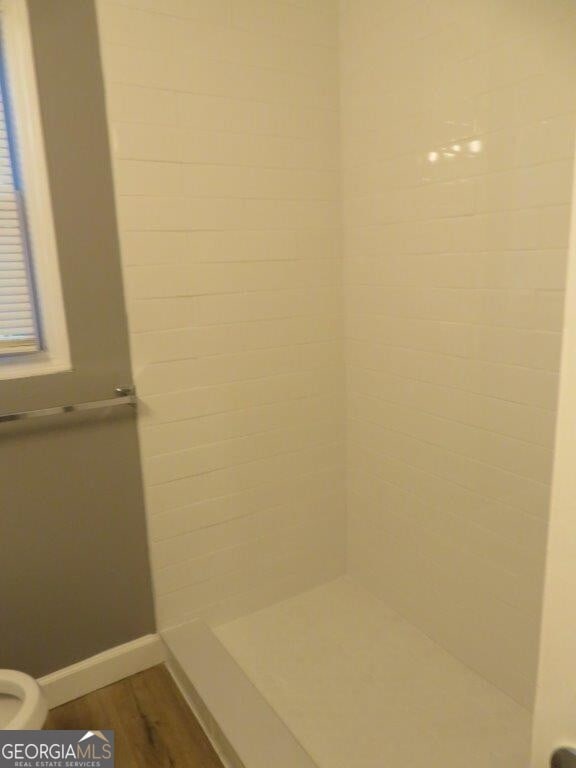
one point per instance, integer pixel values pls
(18, 324)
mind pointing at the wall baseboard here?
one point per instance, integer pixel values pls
(103, 669)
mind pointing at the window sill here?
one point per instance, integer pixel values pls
(34, 364)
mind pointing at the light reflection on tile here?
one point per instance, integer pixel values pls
(455, 275)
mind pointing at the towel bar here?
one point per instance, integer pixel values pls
(123, 396)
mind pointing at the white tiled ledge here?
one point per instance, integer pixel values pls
(243, 727)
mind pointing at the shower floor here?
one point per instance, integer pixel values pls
(360, 687)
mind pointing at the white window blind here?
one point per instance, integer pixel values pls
(18, 322)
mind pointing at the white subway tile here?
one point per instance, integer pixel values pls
(457, 136)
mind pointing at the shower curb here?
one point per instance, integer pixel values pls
(242, 725)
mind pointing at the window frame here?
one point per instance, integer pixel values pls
(20, 76)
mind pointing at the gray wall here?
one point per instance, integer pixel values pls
(74, 572)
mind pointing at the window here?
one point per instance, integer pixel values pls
(33, 337)
(19, 331)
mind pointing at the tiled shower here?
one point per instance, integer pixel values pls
(225, 141)
(344, 235)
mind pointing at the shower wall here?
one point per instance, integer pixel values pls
(458, 128)
(224, 126)
(458, 122)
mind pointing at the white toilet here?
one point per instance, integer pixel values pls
(22, 703)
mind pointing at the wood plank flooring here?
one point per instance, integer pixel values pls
(152, 723)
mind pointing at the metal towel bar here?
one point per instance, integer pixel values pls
(124, 396)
